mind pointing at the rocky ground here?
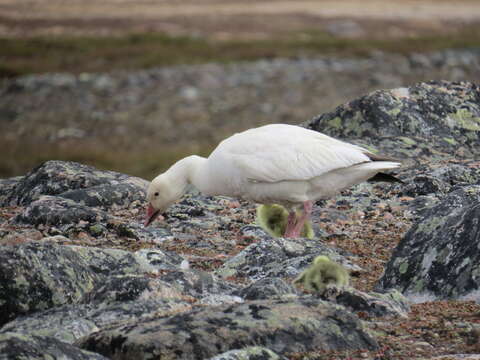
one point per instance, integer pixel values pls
(80, 276)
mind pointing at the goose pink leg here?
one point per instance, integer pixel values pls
(291, 221)
(294, 225)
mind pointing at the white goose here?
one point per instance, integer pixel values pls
(277, 163)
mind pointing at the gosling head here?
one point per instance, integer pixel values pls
(161, 193)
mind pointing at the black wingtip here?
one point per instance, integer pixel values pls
(385, 178)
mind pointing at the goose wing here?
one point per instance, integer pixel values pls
(285, 152)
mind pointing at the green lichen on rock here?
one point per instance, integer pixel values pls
(97, 229)
(403, 268)
(335, 123)
(451, 141)
(408, 141)
(431, 225)
(466, 119)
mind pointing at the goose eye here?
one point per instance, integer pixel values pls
(156, 194)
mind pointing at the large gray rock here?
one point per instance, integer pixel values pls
(6, 188)
(52, 210)
(36, 276)
(281, 326)
(425, 109)
(433, 119)
(68, 323)
(439, 256)
(67, 217)
(15, 346)
(124, 288)
(81, 183)
(197, 284)
(391, 303)
(67, 198)
(278, 257)
(439, 179)
(266, 288)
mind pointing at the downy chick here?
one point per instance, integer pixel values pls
(322, 273)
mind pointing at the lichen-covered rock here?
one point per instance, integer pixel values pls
(137, 231)
(123, 288)
(266, 288)
(31, 347)
(69, 217)
(439, 178)
(36, 276)
(249, 353)
(52, 210)
(277, 257)
(68, 323)
(59, 177)
(282, 326)
(6, 188)
(197, 284)
(425, 109)
(72, 198)
(110, 196)
(439, 255)
(220, 299)
(424, 117)
(391, 303)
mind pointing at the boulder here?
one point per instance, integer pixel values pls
(431, 120)
(36, 276)
(278, 257)
(131, 287)
(266, 288)
(52, 210)
(6, 188)
(391, 303)
(197, 284)
(69, 323)
(67, 198)
(439, 258)
(281, 326)
(66, 177)
(32, 347)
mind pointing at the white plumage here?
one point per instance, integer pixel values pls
(275, 163)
